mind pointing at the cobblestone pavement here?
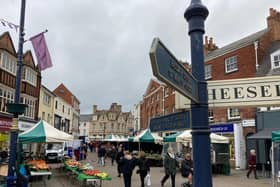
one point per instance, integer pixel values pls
(236, 179)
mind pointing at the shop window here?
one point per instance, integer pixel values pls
(233, 113)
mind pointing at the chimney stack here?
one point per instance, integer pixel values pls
(209, 45)
(94, 109)
(273, 24)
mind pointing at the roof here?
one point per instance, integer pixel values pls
(235, 45)
(263, 134)
(85, 117)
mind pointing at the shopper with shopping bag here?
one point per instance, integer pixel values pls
(148, 180)
(144, 168)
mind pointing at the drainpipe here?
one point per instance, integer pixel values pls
(256, 54)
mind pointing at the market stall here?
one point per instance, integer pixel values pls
(219, 149)
(186, 136)
(151, 143)
(42, 132)
(86, 173)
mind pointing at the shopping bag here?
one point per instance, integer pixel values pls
(148, 180)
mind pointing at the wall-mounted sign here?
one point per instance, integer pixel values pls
(5, 124)
(24, 125)
(171, 122)
(260, 91)
(222, 128)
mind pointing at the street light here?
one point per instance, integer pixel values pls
(16, 108)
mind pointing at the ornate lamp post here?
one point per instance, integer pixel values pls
(196, 14)
(16, 108)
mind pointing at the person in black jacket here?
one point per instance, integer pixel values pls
(119, 156)
(144, 167)
(127, 164)
(187, 168)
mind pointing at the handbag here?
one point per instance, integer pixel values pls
(147, 180)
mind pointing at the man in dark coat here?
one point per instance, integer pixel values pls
(187, 168)
(127, 164)
(144, 167)
(119, 156)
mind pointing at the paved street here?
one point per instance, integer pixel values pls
(237, 178)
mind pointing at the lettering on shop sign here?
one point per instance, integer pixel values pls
(261, 91)
(178, 121)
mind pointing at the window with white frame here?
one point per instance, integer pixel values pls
(210, 115)
(30, 110)
(6, 96)
(208, 71)
(47, 99)
(231, 64)
(233, 113)
(275, 59)
(29, 76)
(8, 63)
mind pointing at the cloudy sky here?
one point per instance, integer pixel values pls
(99, 48)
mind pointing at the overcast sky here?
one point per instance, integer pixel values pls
(99, 48)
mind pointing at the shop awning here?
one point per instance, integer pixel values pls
(263, 134)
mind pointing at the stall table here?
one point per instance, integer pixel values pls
(42, 174)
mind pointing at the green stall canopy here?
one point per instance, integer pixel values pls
(44, 132)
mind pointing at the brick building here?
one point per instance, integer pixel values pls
(253, 56)
(66, 110)
(30, 85)
(158, 100)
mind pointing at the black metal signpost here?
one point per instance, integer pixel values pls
(167, 69)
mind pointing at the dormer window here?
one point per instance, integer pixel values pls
(275, 59)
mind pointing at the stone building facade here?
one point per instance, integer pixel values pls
(111, 121)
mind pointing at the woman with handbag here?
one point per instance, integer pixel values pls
(144, 167)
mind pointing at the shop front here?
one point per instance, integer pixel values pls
(5, 127)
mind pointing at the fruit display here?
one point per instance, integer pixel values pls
(38, 165)
(86, 167)
(73, 163)
(92, 172)
(102, 175)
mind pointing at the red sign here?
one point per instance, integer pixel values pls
(5, 124)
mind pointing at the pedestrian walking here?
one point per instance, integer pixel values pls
(84, 149)
(187, 169)
(113, 154)
(252, 163)
(127, 164)
(170, 163)
(102, 155)
(144, 167)
(119, 156)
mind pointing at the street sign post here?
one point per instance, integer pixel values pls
(167, 69)
(171, 122)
